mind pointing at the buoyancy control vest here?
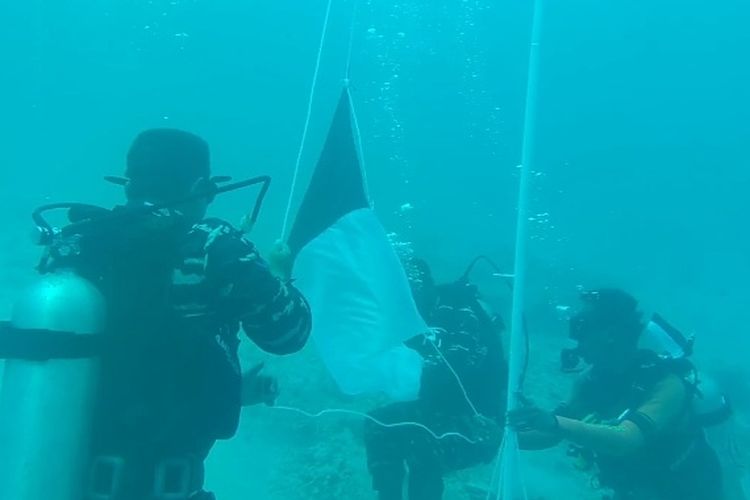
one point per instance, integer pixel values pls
(668, 452)
(60, 343)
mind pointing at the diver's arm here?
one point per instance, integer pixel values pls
(273, 313)
(574, 408)
(280, 322)
(622, 439)
(667, 402)
(543, 439)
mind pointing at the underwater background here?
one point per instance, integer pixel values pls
(642, 179)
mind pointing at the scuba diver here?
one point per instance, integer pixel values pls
(633, 413)
(466, 338)
(177, 288)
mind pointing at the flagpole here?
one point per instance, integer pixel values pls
(511, 485)
(347, 88)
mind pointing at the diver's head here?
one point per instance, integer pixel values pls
(607, 328)
(164, 165)
(423, 287)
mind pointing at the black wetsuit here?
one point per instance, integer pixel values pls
(677, 462)
(170, 377)
(471, 341)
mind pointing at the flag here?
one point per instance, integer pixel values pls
(345, 265)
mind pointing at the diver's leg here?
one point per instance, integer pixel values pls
(426, 461)
(387, 484)
(699, 477)
(387, 448)
(426, 480)
(388, 479)
(431, 459)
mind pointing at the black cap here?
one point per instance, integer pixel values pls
(164, 164)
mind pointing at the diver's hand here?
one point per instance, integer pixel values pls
(532, 418)
(281, 261)
(258, 388)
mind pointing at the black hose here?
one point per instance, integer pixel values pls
(38, 214)
(527, 342)
(477, 260)
(214, 190)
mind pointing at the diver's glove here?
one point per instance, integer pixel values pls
(531, 418)
(258, 388)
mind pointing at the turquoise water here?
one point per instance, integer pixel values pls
(643, 168)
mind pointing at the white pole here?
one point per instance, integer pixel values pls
(511, 486)
(306, 127)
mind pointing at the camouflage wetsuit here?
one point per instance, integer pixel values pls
(470, 340)
(170, 378)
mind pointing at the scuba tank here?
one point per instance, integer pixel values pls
(52, 347)
(49, 387)
(710, 404)
(665, 340)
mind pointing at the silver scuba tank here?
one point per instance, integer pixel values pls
(710, 404)
(46, 404)
(665, 340)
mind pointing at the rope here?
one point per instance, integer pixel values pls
(455, 374)
(374, 420)
(306, 128)
(347, 87)
(358, 139)
(508, 466)
(351, 44)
